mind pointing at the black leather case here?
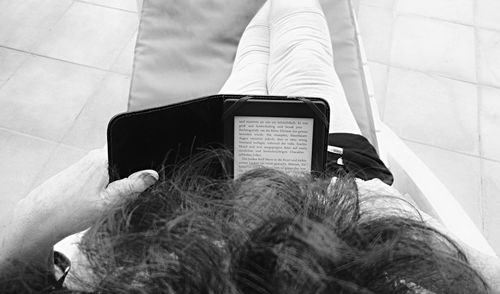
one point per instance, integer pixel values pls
(151, 138)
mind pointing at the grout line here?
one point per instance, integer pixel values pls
(16, 70)
(382, 99)
(488, 29)
(92, 94)
(481, 155)
(476, 52)
(482, 207)
(41, 139)
(106, 6)
(57, 59)
(386, 90)
(368, 4)
(72, 147)
(35, 178)
(87, 101)
(65, 61)
(391, 39)
(449, 150)
(394, 6)
(28, 135)
(393, 29)
(479, 112)
(39, 174)
(435, 74)
(476, 49)
(409, 14)
(36, 44)
(122, 50)
(126, 75)
(445, 149)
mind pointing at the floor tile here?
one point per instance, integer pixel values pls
(433, 110)
(24, 23)
(376, 26)
(379, 74)
(124, 62)
(89, 130)
(388, 4)
(10, 61)
(44, 97)
(461, 11)
(490, 122)
(434, 46)
(90, 35)
(60, 158)
(459, 173)
(22, 158)
(489, 57)
(130, 5)
(491, 202)
(487, 14)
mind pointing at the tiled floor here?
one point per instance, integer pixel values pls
(65, 70)
(438, 87)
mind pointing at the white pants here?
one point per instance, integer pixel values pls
(286, 50)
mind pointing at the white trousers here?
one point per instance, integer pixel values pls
(286, 50)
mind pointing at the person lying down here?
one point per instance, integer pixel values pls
(265, 232)
(184, 230)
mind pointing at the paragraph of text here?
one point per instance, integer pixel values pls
(281, 143)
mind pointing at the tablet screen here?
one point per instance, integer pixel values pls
(282, 143)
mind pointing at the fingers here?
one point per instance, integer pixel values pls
(134, 184)
(249, 73)
(301, 59)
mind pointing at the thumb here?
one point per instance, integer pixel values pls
(135, 183)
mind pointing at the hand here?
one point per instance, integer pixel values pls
(65, 204)
(70, 201)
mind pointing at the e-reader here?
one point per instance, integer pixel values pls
(289, 134)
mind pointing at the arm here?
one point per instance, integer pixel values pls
(65, 204)
(370, 192)
(487, 265)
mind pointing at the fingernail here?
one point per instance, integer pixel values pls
(149, 178)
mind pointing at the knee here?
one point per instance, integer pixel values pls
(285, 9)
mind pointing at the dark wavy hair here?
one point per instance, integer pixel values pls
(199, 231)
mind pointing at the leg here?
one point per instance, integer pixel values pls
(249, 74)
(301, 59)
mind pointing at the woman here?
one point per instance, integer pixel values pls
(264, 232)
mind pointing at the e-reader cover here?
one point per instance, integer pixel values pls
(157, 137)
